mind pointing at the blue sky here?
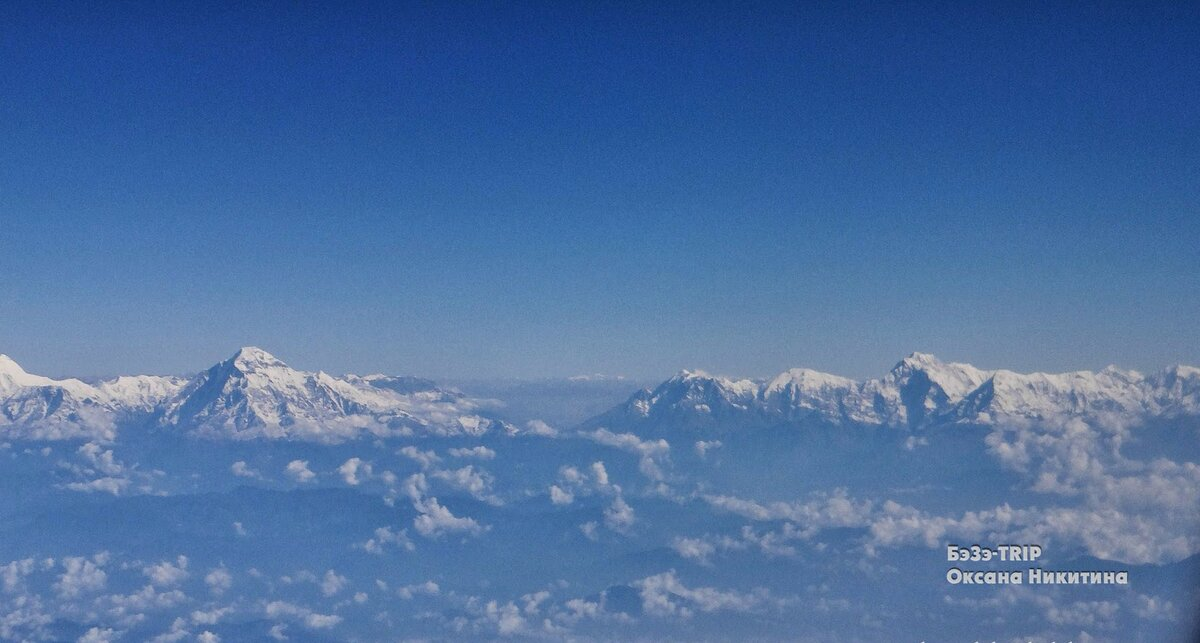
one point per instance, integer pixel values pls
(529, 189)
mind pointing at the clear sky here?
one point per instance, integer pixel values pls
(528, 189)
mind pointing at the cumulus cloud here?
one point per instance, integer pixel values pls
(538, 427)
(114, 486)
(665, 595)
(210, 617)
(600, 473)
(769, 542)
(12, 575)
(298, 470)
(433, 519)
(428, 588)
(424, 458)
(219, 580)
(651, 453)
(332, 583)
(354, 471)
(698, 549)
(102, 460)
(127, 609)
(385, 536)
(476, 482)
(619, 515)
(81, 575)
(704, 446)
(176, 633)
(102, 472)
(99, 635)
(243, 470)
(166, 573)
(479, 453)
(310, 619)
(560, 497)
(821, 510)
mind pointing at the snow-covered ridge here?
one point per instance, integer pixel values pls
(920, 390)
(252, 394)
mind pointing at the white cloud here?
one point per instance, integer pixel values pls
(600, 473)
(664, 595)
(127, 609)
(298, 470)
(108, 475)
(434, 519)
(81, 575)
(102, 460)
(208, 637)
(480, 453)
(332, 583)
(115, 486)
(560, 497)
(166, 574)
(704, 446)
(210, 617)
(476, 482)
(507, 618)
(822, 510)
(697, 549)
(650, 452)
(309, 618)
(12, 575)
(619, 515)
(538, 427)
(354, 471)
(177, 633)
(424, 458)
(428, 588)
(385, 536)
(99, 635)
(219, 580)
(1154, 608)
(243, 470)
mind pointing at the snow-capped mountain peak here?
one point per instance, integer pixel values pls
(13, 376)
(252, 358)
(252, 394)
(919, 391)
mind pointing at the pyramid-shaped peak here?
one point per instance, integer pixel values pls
(250, 358)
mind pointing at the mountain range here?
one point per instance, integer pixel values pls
(255, 395)
(919, 391)
(250, 395)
